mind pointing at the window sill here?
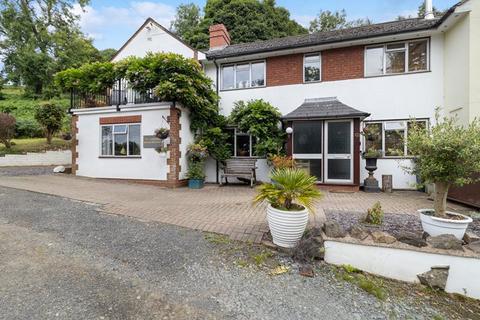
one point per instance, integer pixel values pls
(312, 82)
(397, 74)
(396, 158)
(236, 89)
(120, 157)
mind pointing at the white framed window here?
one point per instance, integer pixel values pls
(312, 68)
(243, 144)
(120, 140)
(397, 58)
(243, 75)
(390, 137)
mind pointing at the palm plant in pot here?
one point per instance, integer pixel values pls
(448, 155)
(289, 200)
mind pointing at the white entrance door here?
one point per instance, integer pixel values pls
(308, 146)
(339, 151)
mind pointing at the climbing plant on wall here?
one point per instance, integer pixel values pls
(262, 120)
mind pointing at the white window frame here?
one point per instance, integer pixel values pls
(319, 54)
(311, 156)
(349, 156)
(234, 65)
(113, 141)
(405, 135)
(407, 53)
(236, 133)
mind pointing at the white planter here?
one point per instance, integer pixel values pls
(436, 226)
(163, 154)
(287, 227)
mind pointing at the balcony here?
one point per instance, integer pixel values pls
(118, 94)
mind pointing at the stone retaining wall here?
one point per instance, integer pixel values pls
(48, 158)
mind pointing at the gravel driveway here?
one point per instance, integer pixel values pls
(62, 259)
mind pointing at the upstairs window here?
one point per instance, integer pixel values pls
(396, 58)
(120, 140)
(311, 68)
(243, 75)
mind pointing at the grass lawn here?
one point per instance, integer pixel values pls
(34, 145)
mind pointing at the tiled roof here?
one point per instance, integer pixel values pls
(324, 108)
(318, 38)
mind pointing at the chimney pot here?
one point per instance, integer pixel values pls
(219, 36)
(429, 10)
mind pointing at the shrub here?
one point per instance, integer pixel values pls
(7, 129)
(375, 214)
(262, 120)
(26, 128)
(293, 189)
(447, 155)
(2, 96)
(281, 162)
(50, 117)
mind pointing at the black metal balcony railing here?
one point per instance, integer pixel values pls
(119, 94)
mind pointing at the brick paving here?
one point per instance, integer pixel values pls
(226, 210)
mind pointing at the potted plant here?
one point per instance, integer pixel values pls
(289, 200)
(447, 155)
(371, 156)
(162, 151)
(162, 133)
(197, 154)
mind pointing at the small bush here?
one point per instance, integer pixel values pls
(375, 214)
(27, 128)
(7, 129)
(50, 117)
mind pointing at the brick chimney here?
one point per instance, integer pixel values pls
(219, 37)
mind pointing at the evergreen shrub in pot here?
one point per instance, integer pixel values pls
(289, 200)
(449, 154)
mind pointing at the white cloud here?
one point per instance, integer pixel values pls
(304, 20)
(98, 22)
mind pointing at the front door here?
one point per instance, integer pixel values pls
(339, 151)
(308, 146)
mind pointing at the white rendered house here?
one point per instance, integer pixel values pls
(328, 86)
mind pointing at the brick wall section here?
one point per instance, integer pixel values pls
(342, 63)
(285, 70)
(337, 64)
(121, 119)
(173, 160)
(219, 36)
(74, 143)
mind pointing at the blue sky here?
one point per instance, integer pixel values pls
(110, 23)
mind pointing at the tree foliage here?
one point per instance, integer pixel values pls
(40, 38)
(7, 129)
(421, 12)
(448, 155)
(246, 21)
(327, 21)
(262, 120)
(50, 117)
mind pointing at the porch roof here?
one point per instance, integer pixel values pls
(324, 108)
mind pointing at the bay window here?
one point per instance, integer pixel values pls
(120, 140)
(390, 137)
(396, 58)
(243, 75)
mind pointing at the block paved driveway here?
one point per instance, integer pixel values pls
(226, 210)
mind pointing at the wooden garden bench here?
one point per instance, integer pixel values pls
(240, 168)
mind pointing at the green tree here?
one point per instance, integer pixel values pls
(246, 21)
(106, 55)
(50, 117)
(448, 155)
(40, 38)
(327, 21)
(421, 11)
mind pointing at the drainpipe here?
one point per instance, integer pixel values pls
(429, 10)
(119, 94)
(216, 87)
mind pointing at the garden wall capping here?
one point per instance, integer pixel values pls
(47, 158)
(403, 262)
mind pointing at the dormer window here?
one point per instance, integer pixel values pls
(243, 75)
(396, 58)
